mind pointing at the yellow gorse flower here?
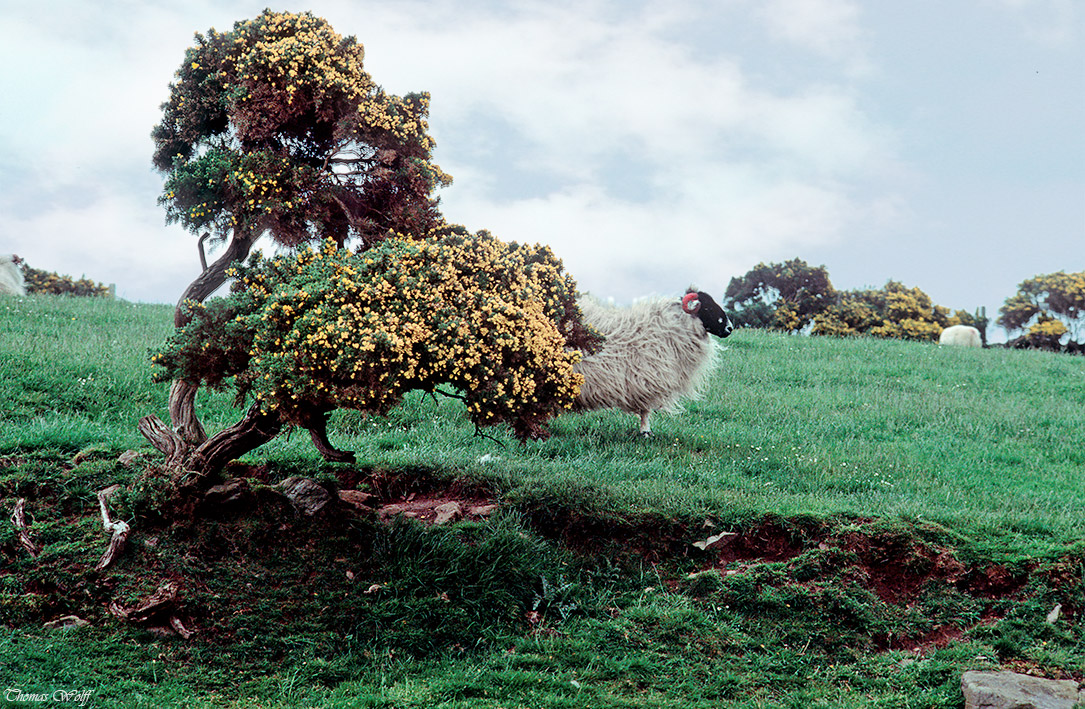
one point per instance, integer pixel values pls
(334, 329)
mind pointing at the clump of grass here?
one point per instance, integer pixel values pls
(584, 590)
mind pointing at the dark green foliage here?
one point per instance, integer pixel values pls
(785, 296)
(1047, 306)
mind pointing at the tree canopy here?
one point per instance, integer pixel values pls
(785, 296)
(1048, 307)
(276, 127)
(303, 335)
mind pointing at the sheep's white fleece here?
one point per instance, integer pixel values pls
(654, 355)
(11, 277)
(962, 335)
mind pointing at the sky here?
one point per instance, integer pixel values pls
(652, 144)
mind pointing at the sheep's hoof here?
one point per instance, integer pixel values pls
(645, 435)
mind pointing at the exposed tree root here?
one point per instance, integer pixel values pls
(18, 520)
(165, 439)
(118, 528)
(159, 607)
(255, 429)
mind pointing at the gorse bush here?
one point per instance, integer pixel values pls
(37, 281)
(894, 311)
(329, 329)
(795, 297)
(275, 126)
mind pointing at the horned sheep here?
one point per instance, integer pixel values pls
(655, 353)
(960, 335)
(11, 276)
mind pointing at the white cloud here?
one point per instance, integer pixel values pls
(149, 263)
(651, 142)
(1052, 23)
(728, 171)
(831, 28)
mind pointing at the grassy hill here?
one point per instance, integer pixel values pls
(893, 514)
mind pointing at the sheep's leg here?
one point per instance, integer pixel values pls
(645, 424)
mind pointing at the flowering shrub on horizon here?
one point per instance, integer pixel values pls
(328, 329)
(37, 281)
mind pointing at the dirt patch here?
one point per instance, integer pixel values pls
(439, 509)
(993, 582)
(769, 541)
(895, 565)
(650, 539)
(415, 496)
(936, 639)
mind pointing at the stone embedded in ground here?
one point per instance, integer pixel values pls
(308, 496)
(1010, 690)
(480, 510)
(229, 492)
(448, 512)
(66, 622)
(361, 501)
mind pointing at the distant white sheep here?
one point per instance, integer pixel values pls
(655, 353)
(11, 277)
(961, 336)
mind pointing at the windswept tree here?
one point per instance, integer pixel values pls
(303, 335)
(1047, 307)
(784, 296)
(275, 128)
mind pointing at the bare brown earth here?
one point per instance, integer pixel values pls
(894, 565)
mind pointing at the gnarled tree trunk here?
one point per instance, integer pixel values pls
(254, 430)
(182, 403)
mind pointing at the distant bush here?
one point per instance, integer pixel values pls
(1049, 308)
(781, 296)
(893, 311)
(796, 297)
(38, 282)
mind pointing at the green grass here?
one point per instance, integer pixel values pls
(887, 496)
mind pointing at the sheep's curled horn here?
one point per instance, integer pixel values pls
(690, 303)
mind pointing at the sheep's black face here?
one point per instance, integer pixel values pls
(713, 316)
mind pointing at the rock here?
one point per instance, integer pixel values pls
(448, 512)
(67, 622)
(481, 510)
(308, 496)
(387, 512)
(361, 501)
(1009, 690)
(230, 492)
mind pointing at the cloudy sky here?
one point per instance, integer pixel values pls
(652, 144)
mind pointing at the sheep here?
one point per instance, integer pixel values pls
(960, 335)
(11, 276)
(654, 353)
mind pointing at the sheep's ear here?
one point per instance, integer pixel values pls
(691, 304)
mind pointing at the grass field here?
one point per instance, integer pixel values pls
(898, 513)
